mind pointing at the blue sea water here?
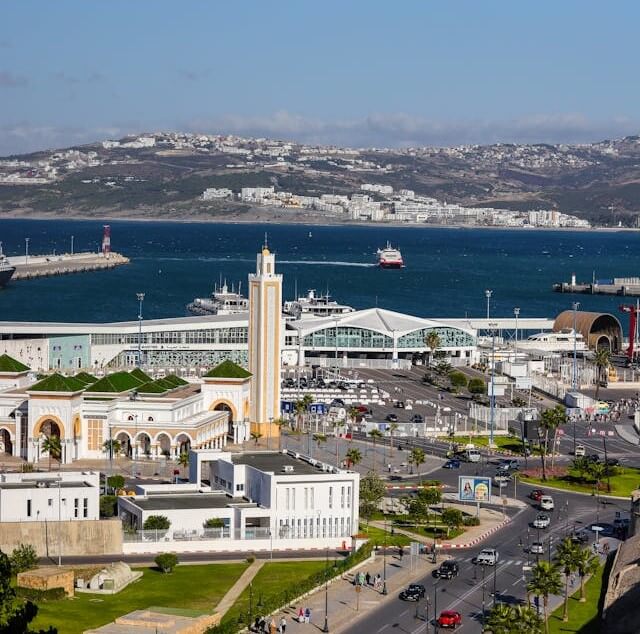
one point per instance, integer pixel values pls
(447, 269)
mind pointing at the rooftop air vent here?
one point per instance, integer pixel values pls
(287, 468)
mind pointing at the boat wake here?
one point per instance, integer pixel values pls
(312, 262)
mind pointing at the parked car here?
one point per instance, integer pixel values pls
(509, 463)
(399, 404)
(414, 592)
(448, 570)
(452, 463)
(488, 557)
(580, 537)
(536, 548)
(546, 503)
(392, 418)
(417, 418)
(542, 521)
(613, 462)
(536, 494)
(580, 451)
(449, 618)
(593, 457)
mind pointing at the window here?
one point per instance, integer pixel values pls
(312, 500)
(239, 487)
(342, 527)
(306, 498)
(28, 508)
(94, 432)
(305, 526)
(85, 512)
(330, 497)
(342, 497)
(348, 497)
(293, 499)
(76, 508)
(287, 499)
(324, 526)
(50, 502)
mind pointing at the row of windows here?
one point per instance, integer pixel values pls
(217, 335)
(309, 498)
(449, 338)
(80, 507)
(347, 337)
(315, 527)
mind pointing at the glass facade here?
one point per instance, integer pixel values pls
(449, 338)
(348, 337)
(217, 335)
(181, 358)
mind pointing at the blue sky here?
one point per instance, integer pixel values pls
(346, 72)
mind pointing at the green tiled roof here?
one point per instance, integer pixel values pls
(160, 386)
(152, 387)
(58, 383)
(116, 382)
(174, 380)
(86, 378)
(228, 370)
(142, 376)
(9, 364)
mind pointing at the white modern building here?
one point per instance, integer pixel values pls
(39, 497)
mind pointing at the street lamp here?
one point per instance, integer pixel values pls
(326, 595)
(516, 312)
(492, 403)
(488, 295)
(26, 250)
(71, 245)
(59, 522)
(574, 383)
(384, 560)
(140, 297)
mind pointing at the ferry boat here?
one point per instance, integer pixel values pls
(6, 269)
(390, 258)
(561, 341)
(222, 302)
(312, 305)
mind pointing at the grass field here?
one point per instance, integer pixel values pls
(271, 580)
(583, 617)
(510, 443)
(198, 588)
(377, 536)
(625, 481)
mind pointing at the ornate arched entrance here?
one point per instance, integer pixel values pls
(226, 406)
(6, 446)
(183, 443)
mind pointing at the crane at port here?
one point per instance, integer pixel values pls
(633, 310)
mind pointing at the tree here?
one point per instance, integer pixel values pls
(452, 518)
(545, 581)
(24, 557)
(508, 619)
(597, 470)
(458, 380)
(602, 361)
(115, 483)
(353, 413)
(432, 341)
(112, 447)
(108, 505)
(183, 460)
(443, 368)
(375, 435)
(214, 522)
(500, 619)
(477, 386)
(550, 420)
(156, 523)
(418, 505)
(166, 562)
(586, 564)
(15, 614)
(256, 435)
(392, 429)
(581, 467)
(417, 458)
(566, 557)
(353, 457)
(319, 438)
(372, 490)
(51, 445)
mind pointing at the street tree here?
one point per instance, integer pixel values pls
(458, 380)
(602, 361)
(282, 424)
(432, 341)
(417, 458)
(353, 456)
(598, 471)
(51, 446)
(112, 447)
(393, 428)
(550, 419)
(183, 461)
(451, 518)
(256, 435)
(419, 505)
(567, 558)
(115, 482)
(477, 386)
(586, 564)
(509, 619)
(375, 435)
(545, 581)
(581, 467)
(372, 490)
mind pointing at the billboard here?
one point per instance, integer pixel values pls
(474, 489)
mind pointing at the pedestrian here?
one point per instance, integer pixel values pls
(283, 625)
(368, 578)
(256, 624)
(272, 626)
(307, 615)
(572, 580)
(401, 552)
(300, 615)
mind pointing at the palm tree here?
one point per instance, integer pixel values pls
(566, 558)
(417, 457)
(307, 400)
(319, 438)
(353, 456)
(392, 428)
(432, 341)
(598, 471)
(550, 420)
(352, 413)
(602, 361)
(527, 619)
(586, 564)
(281, 423)
(299, 409)
(545, 581)
(375, 435)
(256, 435)
(508, 619)
(183, 460)
(52, 446)
(500, 619)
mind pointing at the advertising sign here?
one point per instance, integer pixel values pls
(474, 489)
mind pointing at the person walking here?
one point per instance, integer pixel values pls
(283, 625)
(307, 615)
(368, 578)
(272, 626)
(300, 615)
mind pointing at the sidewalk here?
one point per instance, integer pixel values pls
(236, 589)
(344, 601)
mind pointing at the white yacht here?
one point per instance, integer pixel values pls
(222, 302)
(561, 341)
(312, 305)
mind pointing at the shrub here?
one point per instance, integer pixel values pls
(214, 522)
(166, 562)
(108, 505)
(470, 520)
(38, 596)
(156, 522)
(115, 482)
(477, 386)
(458, 379)
(250, 559)
(24, 557)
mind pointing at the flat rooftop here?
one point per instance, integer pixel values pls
(53, 486)
(185, 502)
(275, 462)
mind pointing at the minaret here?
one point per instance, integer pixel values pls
(265, 345)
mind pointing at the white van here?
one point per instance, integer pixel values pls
(546, 503)
(472, 455)
(580, 451)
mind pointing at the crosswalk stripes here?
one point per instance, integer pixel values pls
(508, 562)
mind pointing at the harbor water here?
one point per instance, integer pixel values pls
(447, 269)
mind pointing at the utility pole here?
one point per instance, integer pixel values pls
(26, 250)
(140, 297)
(488, 294)
(516, 312)
(574, 383)
(492, 400)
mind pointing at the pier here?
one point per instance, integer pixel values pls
(32, 266)
(622, 286)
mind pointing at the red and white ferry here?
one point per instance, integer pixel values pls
(390, 258)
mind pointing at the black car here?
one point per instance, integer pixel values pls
(448, 570)
(392, 418)
(417, 418)
(613, 462)
(414, 592)
(593, 457)
(580, 537)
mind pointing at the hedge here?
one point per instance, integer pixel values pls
(35, 595)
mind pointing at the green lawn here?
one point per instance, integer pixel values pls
(377, 536)
(510, 443)
(626, 480)
(271, 580)
(188, 587)
(583, 617)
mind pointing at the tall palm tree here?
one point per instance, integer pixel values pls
(527, 619)
(281, 423)
(417, 457)
(52, 446)
(375, 435)
(352, 413)
(299, 408)
(602, 361)
(509, 619)
(586, 564)
(183, 461)
(392, 428)
(597, 470)
(432, 341)
(500, 619)
(550, 420)
(307, 401)
(566, 558)
(545, 581)
(353, 456)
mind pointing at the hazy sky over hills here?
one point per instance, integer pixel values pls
(351, 73)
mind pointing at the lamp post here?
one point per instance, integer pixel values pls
(435, 607)
(574, 382)
(516, 312)
(483, 595)
(59, 522)
(26, 250)
(492, 400)
(488, 293)
(326, 595)
(384, 560)
(71, 245)
(140, 297)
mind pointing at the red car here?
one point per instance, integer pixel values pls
(449, 618)
(536, 494)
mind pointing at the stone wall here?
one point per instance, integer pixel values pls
(71, 538)
(47, 579)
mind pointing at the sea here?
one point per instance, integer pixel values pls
(446, 274)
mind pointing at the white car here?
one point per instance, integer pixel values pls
(580, 451)
(488, 557)
(546, 503)
(542, 521)
(536, 548)
(502, 477)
